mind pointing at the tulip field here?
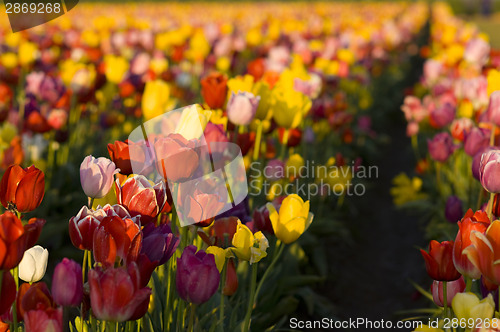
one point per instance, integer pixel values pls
(239, 166)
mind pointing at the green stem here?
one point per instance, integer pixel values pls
(468, 285)
(84, 265)
(253, 282)
(269, 269)
(191, 317)
(492, 135)
(222, 297)
(258, 138)
(284, 144)
(438, 177)
(14, 306)
(167, 276)
(445, 298)
(91, 202)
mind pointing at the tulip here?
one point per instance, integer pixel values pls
(221, 232)
(488, 171)
(461, 127)
(193, 122)
(453, 209)
(176, 157)
(115, 294)
(442, 116)
(34, 264)
(453, 287)
(37, 297)
(231, 285)
(292, 220)
(67, 285)
(274, 170)
(49, 320)
(439, 261)
(440, 147)
(470, 222)
(203, 204)
(476, 160)
(197, 277)
(248, 246)
(413, 109)
(142, 199)
(7, 292)
(468, 306)
(96, 176)
(116, 238)
(289, 107)
(115, 68)
(476, 140)
(214, 90)
(12, 241)
(262, 221)
(22, 189)
(242, 107)
(477, 52)
(127, 156)
(485, 252)
(158, 243)
(155, 99)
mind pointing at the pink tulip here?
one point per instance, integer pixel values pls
(453, 287)
(241, 108)
(96, 176)
(67, 285)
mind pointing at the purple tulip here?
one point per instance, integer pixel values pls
(197, 277)
(493, 112)
(67, 286)
(442, 116)
(96, 176)
(440, 147)
(453, 210)
(489, 171)
(476, 140)
(51, 89)
(158, 243)
(274, 170)
(241, 108)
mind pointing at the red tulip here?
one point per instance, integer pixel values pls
(116, 238)
(142, 199)
(231, 285)
(261, 220)
(48, 320)
(214, 90)
(478, 221)
(202, 204)
(7, 292)
(37, 297)
(12, 241)
(22, 189)
(439, 261)
(115, 294)
(33, 229)
(129, 157)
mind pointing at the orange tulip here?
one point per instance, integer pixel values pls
(12, 241)
(484, 252)
(22, 189)
(214, 90)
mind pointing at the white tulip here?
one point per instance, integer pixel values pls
(33, 265)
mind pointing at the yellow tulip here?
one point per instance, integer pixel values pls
(193, 121)
(289, 107)
(468, 305)
(27, 53)
(155, 99)
(220, 255)
(293, 166)
(239, 84)
(493, 81)
(248, 246)
(116, 68)
(292, 220)
(8, 60)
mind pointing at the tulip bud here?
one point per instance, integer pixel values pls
(442, 116)
(241, 108)
(197, 277)
(439, 261)
(440, 147)
(476, 140)
(231, 285)
(67, 285)
(489, 169)
(96, 176)
(33, 265)
(453, 287)
(453, 210)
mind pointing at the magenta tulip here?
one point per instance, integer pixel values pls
(67, 286)
(489, 171)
